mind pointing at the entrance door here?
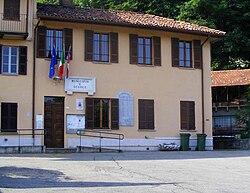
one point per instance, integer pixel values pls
(54, 122)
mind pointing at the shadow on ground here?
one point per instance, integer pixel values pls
(19, 178)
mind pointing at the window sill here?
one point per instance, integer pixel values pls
(107, 63)
(186, 68)
(8, 133)
(6, 74)
(193, 131)
(146, 130)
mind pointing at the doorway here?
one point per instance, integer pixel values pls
(54, 122)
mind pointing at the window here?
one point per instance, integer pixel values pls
(102, 113)
(145, 50)
(54, 38)
(187, 109)
(9, 60)
(146, 113)
(12, 9)
(185, 54)
(182, 53)
(47, 38)
(13, 60)
(101, 47)
(8, 117)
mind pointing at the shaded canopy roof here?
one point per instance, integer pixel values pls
(230, 77)
(121, 18)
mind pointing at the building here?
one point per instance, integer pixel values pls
(140, 75)
(16, 69)
(229, 94)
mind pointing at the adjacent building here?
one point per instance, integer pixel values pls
(140, 75)
(229, 94)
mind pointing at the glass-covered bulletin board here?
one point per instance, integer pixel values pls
(75, 122)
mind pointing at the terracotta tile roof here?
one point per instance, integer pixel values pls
(127, 18)
(230, 77)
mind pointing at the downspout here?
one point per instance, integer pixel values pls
(34, 82)
(202, 87)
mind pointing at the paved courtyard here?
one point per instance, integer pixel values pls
(130, 172)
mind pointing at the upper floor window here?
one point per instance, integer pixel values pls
(185, 54)
(54, 38)
(182, 53)
(12, 9)
(102, 113)
(13, 60)
(145, 50)
(47, 38)
(8, 117)
(101, 47)
(9, 60)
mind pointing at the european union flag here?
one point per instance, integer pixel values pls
(53, 62)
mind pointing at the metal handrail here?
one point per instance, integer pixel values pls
(19, 134)
(101, 135)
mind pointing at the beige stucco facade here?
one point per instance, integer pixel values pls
(165, 84)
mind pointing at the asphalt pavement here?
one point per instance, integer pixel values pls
(127, 172)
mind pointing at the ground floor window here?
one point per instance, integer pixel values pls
(8, 117)
(146, 113)
(187, 109)
(102, 113)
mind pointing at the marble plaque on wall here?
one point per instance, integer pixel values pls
(126, 108)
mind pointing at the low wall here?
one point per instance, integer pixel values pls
(22, 149)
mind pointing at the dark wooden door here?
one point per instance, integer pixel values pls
(54, 122)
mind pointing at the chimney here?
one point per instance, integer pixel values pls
(68, 3)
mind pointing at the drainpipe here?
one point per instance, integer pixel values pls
(34, 82)
(202, 88)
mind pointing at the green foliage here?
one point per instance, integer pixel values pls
(48, 1)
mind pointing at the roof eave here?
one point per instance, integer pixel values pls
(51, 18)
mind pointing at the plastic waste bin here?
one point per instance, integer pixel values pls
(201, 142)
(185, 141)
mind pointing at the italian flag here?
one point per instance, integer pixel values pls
(61, 64)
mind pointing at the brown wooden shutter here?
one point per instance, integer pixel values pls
(114, 52)
(157, 50)
(8, 117)
(133, 48)
(191, 115)
(184, 117)
(16, 9)
(89, 114)
(68, 41)
(1, 59)
(197, 54)
(22, 60)
(41, 42)
(175, 52)
(114, 114)
(89, 45)
(146, 114)
(187, 115)
(150, 114)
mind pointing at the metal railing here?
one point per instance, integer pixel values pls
(101, 135)
(13, 24)
(25, 132)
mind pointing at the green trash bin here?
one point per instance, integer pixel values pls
(201, 142)
(185, 141)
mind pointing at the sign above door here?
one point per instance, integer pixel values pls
(80, 84)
